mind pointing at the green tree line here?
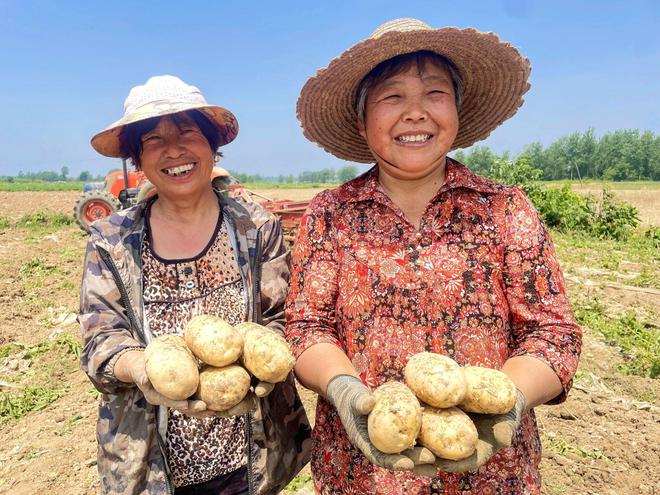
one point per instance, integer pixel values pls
(622, 155)
(325, 175)
(51, 176)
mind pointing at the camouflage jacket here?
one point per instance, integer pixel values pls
(130, 431)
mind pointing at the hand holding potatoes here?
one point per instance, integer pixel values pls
(467, 414)
(495, 432)
(232, 359)
(354, 402)
(134, 365)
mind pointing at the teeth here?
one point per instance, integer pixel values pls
(180, 170)
(417, 138)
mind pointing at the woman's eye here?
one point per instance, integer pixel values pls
(150, 139)
(391, 97)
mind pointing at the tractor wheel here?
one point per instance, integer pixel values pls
(94, 205)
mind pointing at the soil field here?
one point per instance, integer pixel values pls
(603, 440)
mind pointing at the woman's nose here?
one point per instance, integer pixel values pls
(173, 147)
(415, 110)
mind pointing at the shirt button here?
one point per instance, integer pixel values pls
(418, 235)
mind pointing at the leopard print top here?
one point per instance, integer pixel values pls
(198, 450)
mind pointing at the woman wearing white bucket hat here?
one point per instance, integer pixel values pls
(186, 251)
(421, 255)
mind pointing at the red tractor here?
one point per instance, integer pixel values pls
(124, 188)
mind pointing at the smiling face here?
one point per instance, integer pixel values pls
(176, 157)
(411, 121)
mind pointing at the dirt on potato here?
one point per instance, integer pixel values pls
(603, 440)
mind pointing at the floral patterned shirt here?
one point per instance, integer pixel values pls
(479, 281)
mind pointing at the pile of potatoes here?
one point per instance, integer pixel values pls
(440, 423)
(229, 357)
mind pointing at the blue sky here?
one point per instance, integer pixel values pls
(66, 68)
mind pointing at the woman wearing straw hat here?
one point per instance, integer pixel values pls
(420, 254)
(186, 251)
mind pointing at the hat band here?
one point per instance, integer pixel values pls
(160, 107)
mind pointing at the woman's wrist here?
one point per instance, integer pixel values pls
(121, 368)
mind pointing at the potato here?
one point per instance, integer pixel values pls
(213, 340)
(395, 420)
(171, 367)
(436, 379)
(265, 353)
(489, 391)
(223, 388)
(448, 433)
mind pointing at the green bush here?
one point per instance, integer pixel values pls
(652, 234)
(612, 219)
(566, 210)
(518, 173)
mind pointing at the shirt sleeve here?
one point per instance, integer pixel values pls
(105, 328)
(274, 276)
(311, 304)
(541, 317)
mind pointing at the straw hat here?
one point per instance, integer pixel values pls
(163, 95)
(494, 77)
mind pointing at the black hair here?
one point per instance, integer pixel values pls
(130, 137)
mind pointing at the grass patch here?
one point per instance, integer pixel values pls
(95, 394)
(639, 343)
(18, 404)
(561, 446)
(37, 268)
(64, 342)
(579, 251)
(17, 185)
(303, 480)
(68, 426)
(44, 219)
(5, 223)
(8, 349)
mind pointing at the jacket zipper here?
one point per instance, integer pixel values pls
(132, 320)
(256, 317)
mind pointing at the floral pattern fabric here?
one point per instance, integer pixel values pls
(479, 281)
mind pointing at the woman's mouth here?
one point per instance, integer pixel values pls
(413, 138)
(179, 170)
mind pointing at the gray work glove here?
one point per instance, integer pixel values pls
(134, 365)
(354, 402)
(495, 433)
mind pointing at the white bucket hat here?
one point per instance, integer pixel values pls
(494, 74)
(159, 96)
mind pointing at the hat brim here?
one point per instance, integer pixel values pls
(107, 141)
(495, 78)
